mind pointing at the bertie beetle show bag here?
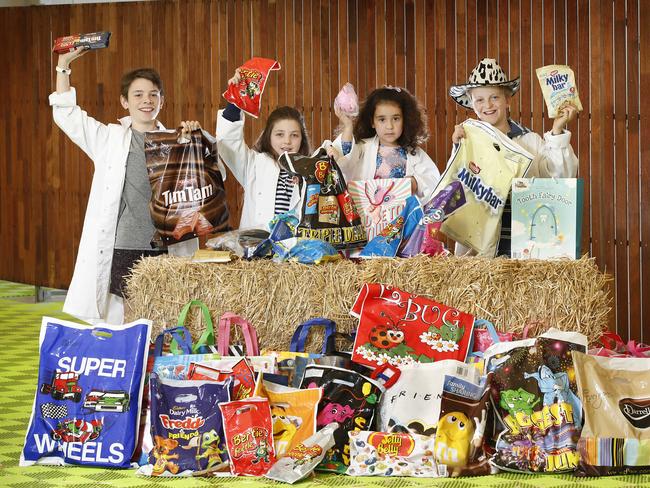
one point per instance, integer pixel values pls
(87, 404)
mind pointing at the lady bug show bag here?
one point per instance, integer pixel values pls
(399, 328)
(188, 198)
(87, 405)
(328, 212)
(247, 94)
(535, 397)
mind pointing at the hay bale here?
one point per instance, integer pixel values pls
(567, 294)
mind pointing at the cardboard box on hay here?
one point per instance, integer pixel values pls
(276, 298)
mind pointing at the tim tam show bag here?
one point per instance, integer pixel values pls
(188, 198)
(412, 403)
(535, 398)
(460, 448)
(87, 404)
(249, 435)
(350, 399)
(484, 162)
(247, 94)
(186, 428)
(379, 202)
(92, 40)
(293, 412)
(615, 395)
(391, 454)
(327, 210)
(558, 87)
(400, 328)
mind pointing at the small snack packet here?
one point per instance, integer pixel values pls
(391, 454)
(301, 460)
(293, 412)
(347, 101)
(558, 87)
(249, 435)
(187, 431)
(92, 40)
(247, 94)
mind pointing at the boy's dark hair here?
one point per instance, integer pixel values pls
(146, 73)
(263, 143)
(414, 125)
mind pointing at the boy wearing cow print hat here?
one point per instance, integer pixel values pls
(488, 93)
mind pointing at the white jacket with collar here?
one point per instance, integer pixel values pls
(107, 146)
(256, 172)
(361, 163)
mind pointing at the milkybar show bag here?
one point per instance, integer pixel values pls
(615, 393)
(485, 162)
(559, 88)
(188, 198)
(253, 75)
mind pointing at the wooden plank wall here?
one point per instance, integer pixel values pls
(425, 45)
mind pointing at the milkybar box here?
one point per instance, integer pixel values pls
(558, 87)
(93, 40)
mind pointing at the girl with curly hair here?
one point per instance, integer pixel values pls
(384, 140)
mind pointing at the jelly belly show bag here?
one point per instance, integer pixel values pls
(546, 218)
(535, 398)
(87, 404)
(188, 198)
(247, 94)
(328, 212)
(399, 328)
(615, 395)
(485, 162)
(379, 202)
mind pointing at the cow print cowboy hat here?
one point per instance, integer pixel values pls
(487, 73)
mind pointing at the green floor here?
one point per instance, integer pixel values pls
(19, 329)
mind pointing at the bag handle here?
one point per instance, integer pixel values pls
(207, 338)
(638, 350)
(489, 326)
(180, 337)
(330, 342)
(226, 322)
(387, 374)
(302, 331)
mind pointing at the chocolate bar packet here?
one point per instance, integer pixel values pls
(327, 210)
(92, 40)
(188, 197)
(558, 87)
(615, 392)
(187, 430)
(460, 434)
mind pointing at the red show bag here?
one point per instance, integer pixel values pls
(247, 94)
(400, 328)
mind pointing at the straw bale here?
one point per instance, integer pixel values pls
(567, 294)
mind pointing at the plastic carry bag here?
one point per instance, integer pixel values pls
(87, 404)
(188, 198)
(347, 101)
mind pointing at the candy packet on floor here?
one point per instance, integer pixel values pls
(392, 454)
(87, 405)
(247, 94)
(615, 392)
(558, 87)
(249, 435)
(187, 429)
(301, 460)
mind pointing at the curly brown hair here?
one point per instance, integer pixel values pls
(414, 131)
(263, 143)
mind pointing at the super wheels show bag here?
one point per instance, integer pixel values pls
(87, 405)
(188, 198)
(328, 212)
(401, 328)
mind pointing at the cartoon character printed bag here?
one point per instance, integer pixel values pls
(87, 404)
(247, 94)
(398, 328)
(535, 398)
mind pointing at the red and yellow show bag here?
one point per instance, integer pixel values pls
(400, 328)
(247, 94)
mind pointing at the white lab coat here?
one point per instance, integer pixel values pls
(107, 146)
(361, 163)
(256, 172)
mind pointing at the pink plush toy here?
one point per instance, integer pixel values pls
(347, 101)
